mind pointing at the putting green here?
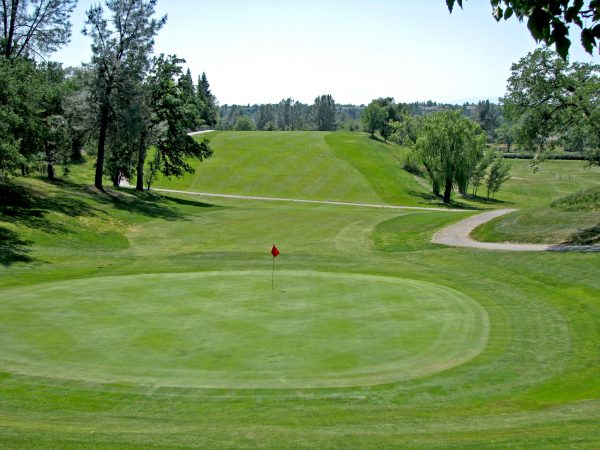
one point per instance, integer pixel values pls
(231, 330)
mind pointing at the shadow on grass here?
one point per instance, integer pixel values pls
(378, 139)
(13, 249)
(184, 202)
(30, 206)
(144, 203)
(588, 236)
(486, 200)
(434, 200)
(22, 205)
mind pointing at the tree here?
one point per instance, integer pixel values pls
(498, 174)
(207, 103)
(373, 117)
(550, 98)
(324, 113)
(30, 29)
(480, 171)
(506, 134)
(121, 50)
(53, 127)
(243, 124)
(449, 146)
(78, 112)
(548, 20)
(173, 144)
(264, 117)
(488, 116)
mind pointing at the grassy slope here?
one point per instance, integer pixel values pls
(534, 384)
(316, 166)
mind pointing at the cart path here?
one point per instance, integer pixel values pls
(298, 200)
(458, 235)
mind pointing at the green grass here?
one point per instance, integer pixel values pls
(119, 310)
(552, 207)
(315, 330)
(306, 165)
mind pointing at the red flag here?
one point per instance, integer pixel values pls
(274, 251)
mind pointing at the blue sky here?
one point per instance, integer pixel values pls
(261, 51)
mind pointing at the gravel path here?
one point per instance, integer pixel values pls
(458, 235)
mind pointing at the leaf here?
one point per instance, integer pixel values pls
(498, 13)
(587, 40)
(450, 4)
(508, 12)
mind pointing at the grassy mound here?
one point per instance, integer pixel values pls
(586, 200)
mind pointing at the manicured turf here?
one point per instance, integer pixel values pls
(232, 330)
(134, 270)
(305, 165)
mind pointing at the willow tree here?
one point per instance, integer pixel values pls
(449, 147)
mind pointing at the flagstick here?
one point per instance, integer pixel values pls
(273, 274)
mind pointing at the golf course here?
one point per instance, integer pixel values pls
(160, 319)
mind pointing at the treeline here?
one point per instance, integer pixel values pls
(126, 106)
(290, 115)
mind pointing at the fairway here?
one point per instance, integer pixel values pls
(231, 330)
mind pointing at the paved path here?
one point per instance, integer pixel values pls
(458, 235)
(297, 200)
(196, 133)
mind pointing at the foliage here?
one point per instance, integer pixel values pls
(548, 20)
(488, 116)
(151, 172)
(33, 130)
(206, 101)
(481, 168)
(324, 113)
(449, 146)
(549, 98)
(498, 174)
(506, 134)
(243, 124)
(374, 117)
(405, 132)
(381, 113)
(34, 28)
(170, 114)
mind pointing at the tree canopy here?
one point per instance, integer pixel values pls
(33, 29)
(549, 98)
(548, 20)
(449, 146)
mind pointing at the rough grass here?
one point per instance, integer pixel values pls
(586, 200)
(533, 385)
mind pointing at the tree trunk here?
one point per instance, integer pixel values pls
(76, 146)
(448, 190)
(101, 146)
(51, 172)
(139, 183)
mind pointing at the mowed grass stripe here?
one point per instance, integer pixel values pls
(283, 164)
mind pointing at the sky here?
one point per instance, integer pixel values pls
(261, 51)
